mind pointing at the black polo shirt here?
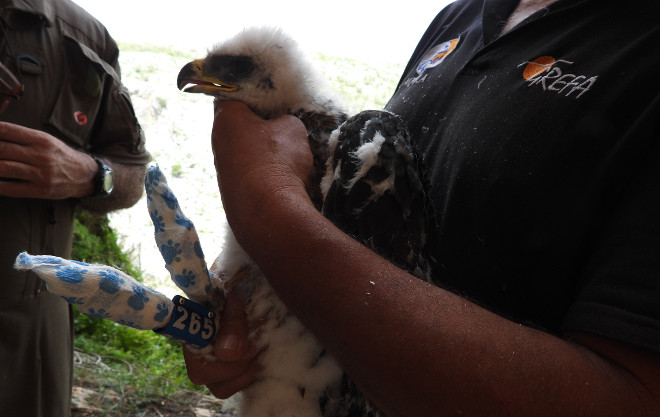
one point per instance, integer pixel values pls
(543, 149)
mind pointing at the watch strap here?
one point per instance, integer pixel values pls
(100, 189)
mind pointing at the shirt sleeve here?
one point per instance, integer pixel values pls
(620, 296)
(119, 135)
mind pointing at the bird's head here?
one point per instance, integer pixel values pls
(261, 67)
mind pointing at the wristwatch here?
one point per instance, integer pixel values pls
(104, 180)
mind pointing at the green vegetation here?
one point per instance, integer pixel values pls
(155, 362)
(159, 49)
(177, 171)
(363, 86)
(133, 365)
(94, 241)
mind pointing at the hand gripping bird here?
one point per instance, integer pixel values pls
(366, 179)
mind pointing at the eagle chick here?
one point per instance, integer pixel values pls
(372, 191)
(265, 69)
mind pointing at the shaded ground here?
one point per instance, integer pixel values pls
(88, 402)
(99, 392)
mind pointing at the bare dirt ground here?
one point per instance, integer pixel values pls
(100, 391)
(88, 402)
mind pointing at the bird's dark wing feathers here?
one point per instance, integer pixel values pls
(378, 195)
(319, 126)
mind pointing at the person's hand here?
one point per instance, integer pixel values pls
(237, 366)
(257, 160)
(34, 164)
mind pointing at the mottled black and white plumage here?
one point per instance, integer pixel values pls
(368, 175)
(374, 189)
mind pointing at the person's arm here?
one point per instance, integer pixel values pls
(413, 348)
(128, 187)
(34, 164)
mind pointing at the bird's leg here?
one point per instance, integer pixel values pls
(230, 282)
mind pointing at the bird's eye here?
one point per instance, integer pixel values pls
(243, 66)
(230, 68)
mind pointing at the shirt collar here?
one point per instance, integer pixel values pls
(494, 16)
(41, 8)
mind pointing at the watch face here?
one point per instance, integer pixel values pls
(108, 181)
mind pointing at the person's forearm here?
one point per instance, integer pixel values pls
(456, 358)
(35, 164)
(415, 350)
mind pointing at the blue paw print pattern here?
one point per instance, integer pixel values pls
(103, 292)
(131, 324)
(97, 314)
(151, 180)
(74, 300)
(186, 279)
(71, 274)
(171, 252)
(157, 220)
(170, 200)
(111, 282)
(164, 311)
(177, 239)
(139, 299)
(100, 291)
(184, 222)
(68, 278)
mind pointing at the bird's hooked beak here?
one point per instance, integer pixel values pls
(191, 79)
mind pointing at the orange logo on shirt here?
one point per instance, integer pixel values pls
(550, 75)
(538, 67)
(80, 118)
